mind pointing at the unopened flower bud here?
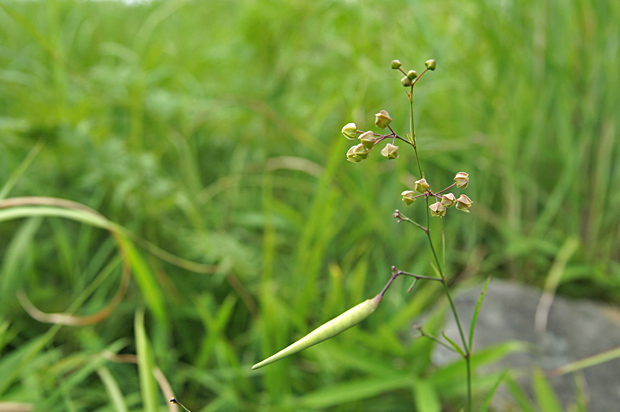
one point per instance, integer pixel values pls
(406, 81)
(408, 196)
(360, 151)
(382, 119)
(351, 156)
(412, 74)
(396, 64)
(368, 139)
(350, 131)
(463, 203)
(431, 64)
(448, 200)
(437, 209)
(461, 179)
(390, 151)
(421, 186)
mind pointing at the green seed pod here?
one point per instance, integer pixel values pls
(406, 81)
(351, 156)
(437, 209)
(328, 330)
(382, 119)
(463, 203)
(421, 185)
(350, 131)
(431, 64)
(360, 151)
(395, 64)
(412, 74)
(461, 179)
(448, 200)
(368, 139)
(390, 151)
(408, 196)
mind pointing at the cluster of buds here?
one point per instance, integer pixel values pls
(443, 200)
(368, 140)
(410, 76)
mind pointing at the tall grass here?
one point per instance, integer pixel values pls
(211, 129)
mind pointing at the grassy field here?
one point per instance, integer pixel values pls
(207, 136)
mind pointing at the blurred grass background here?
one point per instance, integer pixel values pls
(212, 130)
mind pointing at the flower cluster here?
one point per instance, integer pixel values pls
(368, 140)
(443, 200)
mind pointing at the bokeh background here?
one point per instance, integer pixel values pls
(211, 131)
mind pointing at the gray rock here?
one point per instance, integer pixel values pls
(575, 329)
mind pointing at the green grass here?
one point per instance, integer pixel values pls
(174, 121)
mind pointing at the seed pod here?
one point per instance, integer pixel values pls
(328, 330)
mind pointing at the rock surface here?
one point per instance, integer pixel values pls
(575, 329)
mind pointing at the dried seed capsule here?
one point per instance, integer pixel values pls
(408, 196)
(328, 330)
(360, 151)
(421, 185)
(448, 200)
(382, 119)
(368, 139)
(437, 209)
(461, 179)
(352, 156)
(390, 151)
(463, 203)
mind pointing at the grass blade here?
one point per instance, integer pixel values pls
(12, 180)
(426, 397)
(145, 364)
(146, 280)
(352, 391)
(474, 319)
(543, 391)
(112, 388)
(13, 262)
(519, 395)
(587, 362)
(489, 397)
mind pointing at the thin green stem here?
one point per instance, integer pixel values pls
(468, 363)
(454, 312)
(467, 355)
(398, 215)
(412, 125)
(434, 339)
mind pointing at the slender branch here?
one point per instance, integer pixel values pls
(434, 339)
(447, 188)
(396, 273)
(401, 272)
(398, 215)
(394, 136)
(417, 78)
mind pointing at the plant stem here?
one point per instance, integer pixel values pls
(412, 125)
(439, 265)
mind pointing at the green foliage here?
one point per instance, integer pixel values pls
(209, 129)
